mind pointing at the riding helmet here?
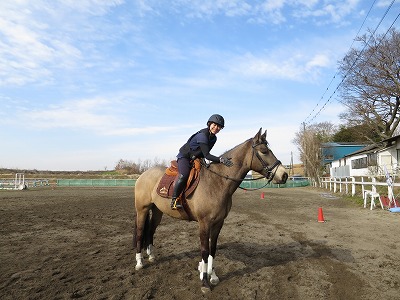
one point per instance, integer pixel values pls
(217, 119)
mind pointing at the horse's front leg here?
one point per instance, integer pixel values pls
(214, 280)
(205, 252)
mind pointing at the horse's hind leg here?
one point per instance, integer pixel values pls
(139, 234)
(147, 220)
(155, 219)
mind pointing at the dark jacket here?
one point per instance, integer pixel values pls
(199, 145)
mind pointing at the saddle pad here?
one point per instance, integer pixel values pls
(166, 185)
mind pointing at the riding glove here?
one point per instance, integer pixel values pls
(226, 161)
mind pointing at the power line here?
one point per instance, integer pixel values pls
(358, 56)
(337, 73)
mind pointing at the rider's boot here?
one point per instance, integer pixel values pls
(179, 186)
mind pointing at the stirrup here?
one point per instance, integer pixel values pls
(175, 204)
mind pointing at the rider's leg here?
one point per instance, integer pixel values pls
(180, 184)
(178, 189)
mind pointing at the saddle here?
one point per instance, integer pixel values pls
(166, 185)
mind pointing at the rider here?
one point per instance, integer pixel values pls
(198, 146)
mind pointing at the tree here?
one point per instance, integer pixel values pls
(127, 166)
(356, 133)
(130, 167)
(371, 85)
(308, 140)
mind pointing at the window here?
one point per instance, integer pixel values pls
(359, 163)
(372, 159)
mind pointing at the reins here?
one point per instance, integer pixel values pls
(266, 168)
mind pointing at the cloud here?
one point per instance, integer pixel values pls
(129, 131)
(83, 114)
(327, 12)
(299, 66)
(100, 115)
(39, 37)
(318, 60)
(265, 12)
(43, 42)
(95, 7)
(383, 3)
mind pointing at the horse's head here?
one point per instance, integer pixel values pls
(264, 161)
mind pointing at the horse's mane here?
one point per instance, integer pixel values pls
(226, 153)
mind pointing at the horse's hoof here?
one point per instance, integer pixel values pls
(152, 258)
(214, 280)
(205, 287)
(138, 267)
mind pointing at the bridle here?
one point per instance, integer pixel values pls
(269, 170)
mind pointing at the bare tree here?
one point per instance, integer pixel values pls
(130, 167)
(371, 84)
(308, 140)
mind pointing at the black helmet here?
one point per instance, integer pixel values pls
(217, 119)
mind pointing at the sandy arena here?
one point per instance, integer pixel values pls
(71, 243)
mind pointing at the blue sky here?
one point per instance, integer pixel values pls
(86, 83)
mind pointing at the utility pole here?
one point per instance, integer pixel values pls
(305, 149)
(291, 164)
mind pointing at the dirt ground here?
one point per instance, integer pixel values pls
(72, 243)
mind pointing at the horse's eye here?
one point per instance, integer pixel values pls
(264, 150)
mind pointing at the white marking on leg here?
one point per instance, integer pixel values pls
(139, 261)
(210, 264)
(150, 253)
(214, 280)
(202, 268)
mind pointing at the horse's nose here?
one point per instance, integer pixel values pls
(284, 177)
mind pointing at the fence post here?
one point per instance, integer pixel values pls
(353, 186)
(362, 186)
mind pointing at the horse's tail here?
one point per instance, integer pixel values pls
(146, 235)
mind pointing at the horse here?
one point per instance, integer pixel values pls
(209, 204)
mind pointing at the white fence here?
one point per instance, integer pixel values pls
(347, 185)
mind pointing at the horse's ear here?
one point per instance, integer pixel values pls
(258, 135)
(264, 136)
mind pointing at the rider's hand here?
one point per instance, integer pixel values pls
(226, 161)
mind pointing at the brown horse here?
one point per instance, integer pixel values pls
(210, 203)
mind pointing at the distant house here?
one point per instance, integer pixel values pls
(375, 159)
(331, 152)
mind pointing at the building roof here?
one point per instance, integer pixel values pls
(375, 147)
(367, 149)
(392, 139)
(341, 144)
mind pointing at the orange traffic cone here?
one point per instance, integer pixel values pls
(320, 215)
(262, 195)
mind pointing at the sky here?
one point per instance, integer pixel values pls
(86, 83)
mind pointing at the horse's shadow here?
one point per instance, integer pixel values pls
(254, 256)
